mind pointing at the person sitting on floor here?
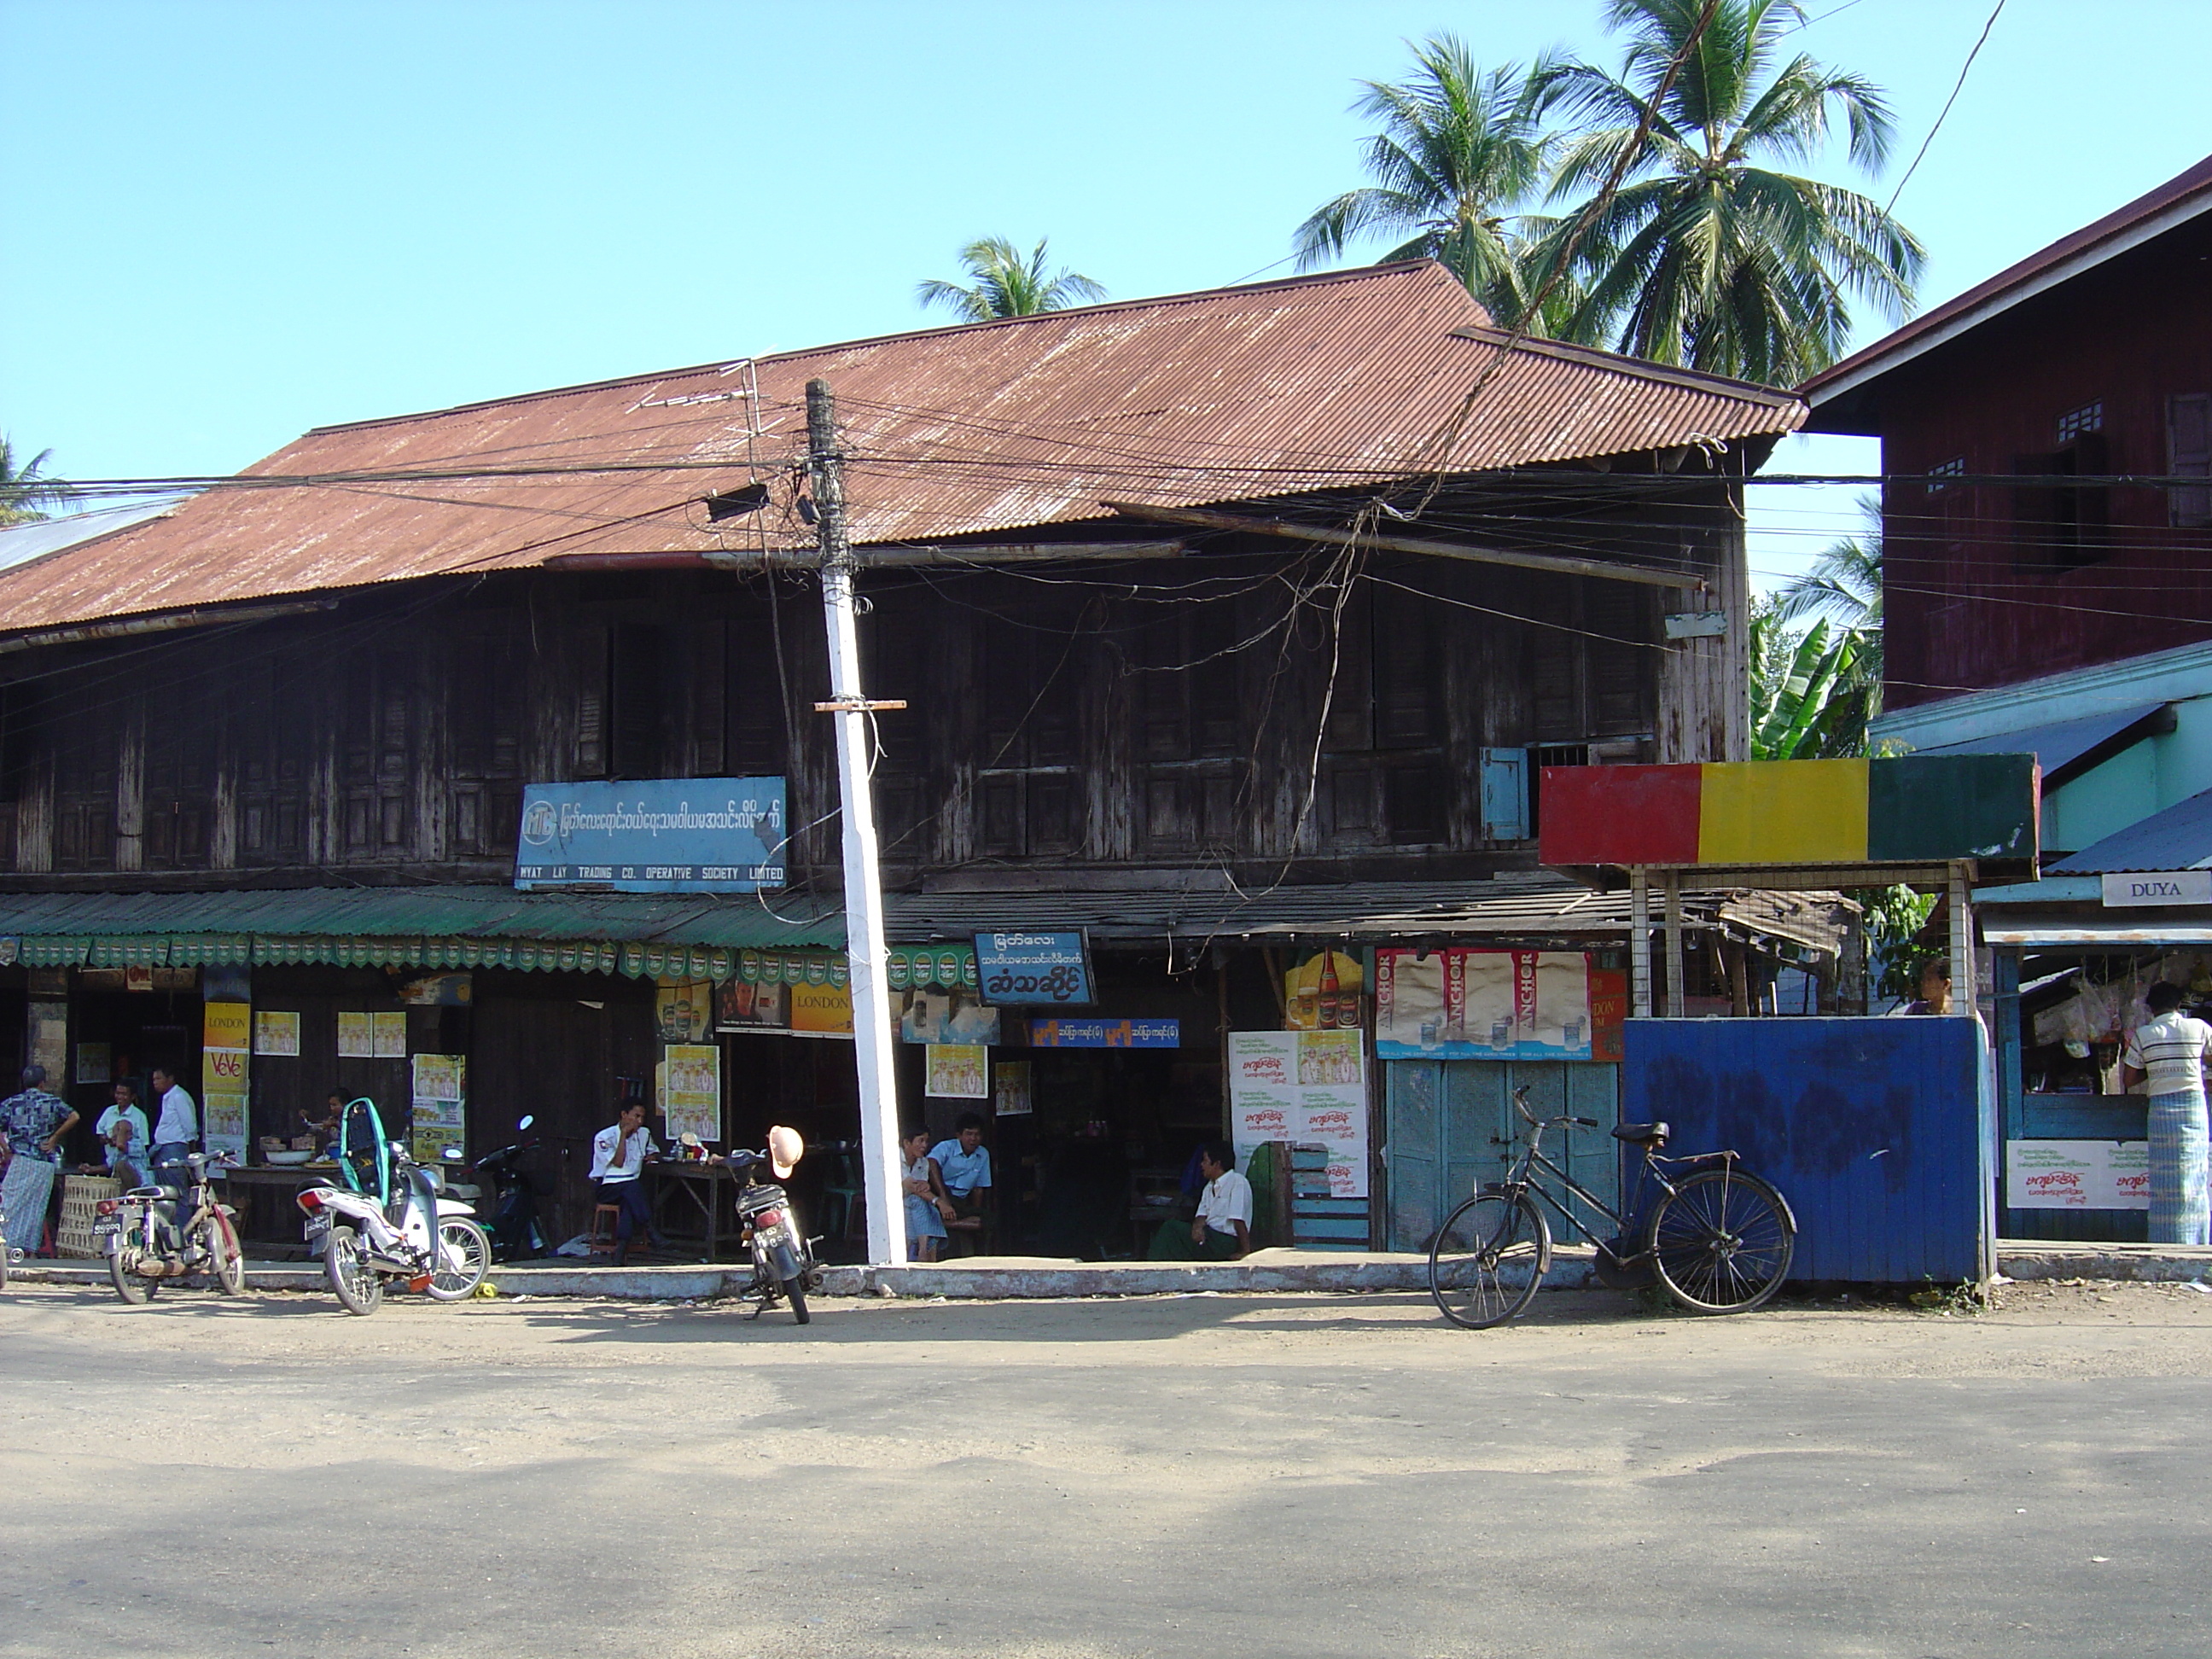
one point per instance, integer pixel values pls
(1222, 1229)
(963, 1173)
(926, 1209)
(619, 1153)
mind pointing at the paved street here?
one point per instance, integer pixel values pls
(1206, 1474)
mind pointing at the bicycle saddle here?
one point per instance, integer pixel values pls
(1642, 1134)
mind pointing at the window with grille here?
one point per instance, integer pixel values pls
(2090, 417)
(1940, 475)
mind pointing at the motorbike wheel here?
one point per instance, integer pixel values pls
(128, 1285)
(461, 1239)
(794, 1291)
(359, 1285)
(226, 1261)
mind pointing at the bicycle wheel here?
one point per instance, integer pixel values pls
(1721, 1241)
(1489, 1259)
(464, 1258)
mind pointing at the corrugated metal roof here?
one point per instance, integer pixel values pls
(737, 922)
(2180, 838)
(20, 544)
(1272, 389)
(2063, 748)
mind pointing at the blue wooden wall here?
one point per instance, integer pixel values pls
(1878, 1132)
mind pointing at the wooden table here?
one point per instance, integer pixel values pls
(245, 1183)
(700, 1184)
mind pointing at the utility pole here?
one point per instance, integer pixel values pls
(864, 899)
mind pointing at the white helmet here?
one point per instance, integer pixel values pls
(785, 1149)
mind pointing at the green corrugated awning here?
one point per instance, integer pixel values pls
(690, 935)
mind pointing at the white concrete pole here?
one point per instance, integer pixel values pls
(864, 901)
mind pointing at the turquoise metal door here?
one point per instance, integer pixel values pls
(1450, 1125)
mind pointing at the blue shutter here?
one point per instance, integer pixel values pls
(1506, 794)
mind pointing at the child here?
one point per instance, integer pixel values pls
(925, 1209)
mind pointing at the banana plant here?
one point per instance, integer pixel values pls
(1806, 704)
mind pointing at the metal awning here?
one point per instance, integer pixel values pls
(2018, 925)
(1524, 906)
(2067, 749)
(2180, 838)
(694, 935)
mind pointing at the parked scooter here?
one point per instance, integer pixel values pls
(421, 1237)
(515, 1233)
(139, 1233)
(783, 1256)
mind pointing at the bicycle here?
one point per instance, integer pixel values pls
(1719, 1240)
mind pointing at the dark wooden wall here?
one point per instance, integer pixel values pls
(1993, 584)
(1176, 714)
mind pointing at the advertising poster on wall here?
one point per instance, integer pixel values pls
(1482, 1005)
(356, 1037)
(1324, 992)
(821, 1010)
(958, 1070)
(691, 1098)
(1010, 1088)
(226, 1029)
(1306, 1087)
(440, 1110)
(388, 1034)
(745, 1004)
(2077, 1174)
(276, 1032)
(944, 1017)
(683, 1009)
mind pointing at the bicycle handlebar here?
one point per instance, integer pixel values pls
(1521, 1105)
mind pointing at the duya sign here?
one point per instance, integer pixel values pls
(662, 835)
(2142, 887)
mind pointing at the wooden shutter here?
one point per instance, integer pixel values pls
(2189, 455)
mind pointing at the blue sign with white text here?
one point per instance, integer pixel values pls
(1033, 969)
(661, 836)
(1105, 1034)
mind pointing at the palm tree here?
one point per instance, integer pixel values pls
(1845, 586)
(1001, 284)
(23, 490)
(1459, 151)
(1707, 256)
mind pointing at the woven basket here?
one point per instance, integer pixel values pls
(80, 1196)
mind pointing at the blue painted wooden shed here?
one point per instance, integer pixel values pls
(1881, 1132)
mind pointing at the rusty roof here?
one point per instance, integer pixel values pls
(1275, 388)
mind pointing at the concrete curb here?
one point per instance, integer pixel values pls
(2028, 1259)
(1024, 1278)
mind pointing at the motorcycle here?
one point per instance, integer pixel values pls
(138, 1234)
(515, 1234)
(430, 1241)
(783, 1257)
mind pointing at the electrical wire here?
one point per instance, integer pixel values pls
(1957, 87)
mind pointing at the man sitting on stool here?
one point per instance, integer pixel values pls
(619, 1156)
(963, 1174)
(1222, 1229)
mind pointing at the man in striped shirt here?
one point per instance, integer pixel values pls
(2169, 1050)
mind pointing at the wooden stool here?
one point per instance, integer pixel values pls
(603, 1239)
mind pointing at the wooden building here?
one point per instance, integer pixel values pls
(286, 726)
(2047, 540)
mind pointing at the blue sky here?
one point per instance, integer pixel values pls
(237, 221)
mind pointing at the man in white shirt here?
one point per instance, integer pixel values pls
(123, 1137)
(619, 1153)
(175, 1130)
(1222, 1229)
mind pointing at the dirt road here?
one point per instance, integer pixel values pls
(1208, 1474)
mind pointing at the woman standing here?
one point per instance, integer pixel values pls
(33, 1124)
(2170, 1050)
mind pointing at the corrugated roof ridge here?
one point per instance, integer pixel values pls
(1696, 379)
(2190, 181)
(1158, 302)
